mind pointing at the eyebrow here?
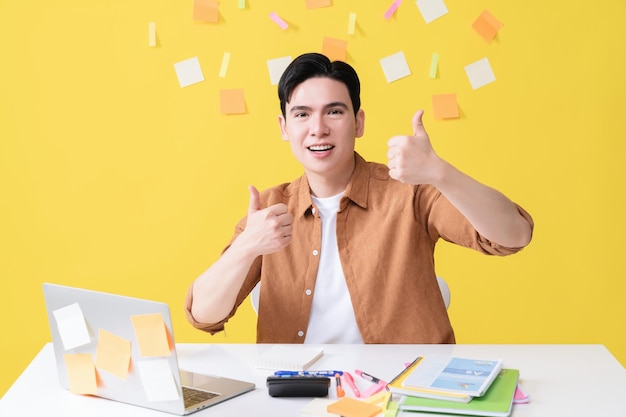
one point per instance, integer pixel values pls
(327, 106)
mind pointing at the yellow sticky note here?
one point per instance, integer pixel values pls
(335, 49)
(232, 101)
(151, 335)
(206, 10)
(113, 354)
(351, 23)
(315, 4)
(81, 373)
(445, 106)
(487, 25)
(349, 407)
(152, 34)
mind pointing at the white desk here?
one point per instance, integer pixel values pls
(562, 380)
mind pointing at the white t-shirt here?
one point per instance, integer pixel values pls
(332, 315)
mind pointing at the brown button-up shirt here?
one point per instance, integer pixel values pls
(386, 235)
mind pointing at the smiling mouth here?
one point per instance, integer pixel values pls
(320, 148)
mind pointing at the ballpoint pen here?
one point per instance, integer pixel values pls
(311, 373)
(338, 387)
(350, 381)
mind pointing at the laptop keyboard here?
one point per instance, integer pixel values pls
(195, 396)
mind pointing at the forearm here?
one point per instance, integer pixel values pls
(215, 291)
(490, 212)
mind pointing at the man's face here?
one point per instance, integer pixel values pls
(320, 125)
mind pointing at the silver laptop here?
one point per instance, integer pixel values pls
(122, 348)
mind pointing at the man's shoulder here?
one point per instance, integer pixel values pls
(282, 192)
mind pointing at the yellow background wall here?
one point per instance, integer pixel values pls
(114, 178)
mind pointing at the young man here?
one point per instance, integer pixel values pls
(345, 253)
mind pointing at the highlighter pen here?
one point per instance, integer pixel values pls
(369, 377)
(351, 384)
(340, 391)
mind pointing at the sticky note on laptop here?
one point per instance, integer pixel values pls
(151, 335)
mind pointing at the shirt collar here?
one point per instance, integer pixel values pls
(357, 189)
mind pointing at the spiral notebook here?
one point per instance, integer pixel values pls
(288, 358)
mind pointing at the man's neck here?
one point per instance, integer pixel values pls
(328, 185)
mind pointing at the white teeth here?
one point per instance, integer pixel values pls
(320, 147)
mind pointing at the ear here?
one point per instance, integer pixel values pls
(283, 128)
(359, 123)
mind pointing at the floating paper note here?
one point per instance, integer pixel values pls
(445, 106)
(335, 49)
(276, 68)
(188, 72)
(487, 26)
(206, 10)
(392, 9)
(351, 23)
(242, 4)
(151, 335)
(151, 34)
(279, 21)
(431, 9)
(72, 326)
(434, 64)
(81, 374)
(224, 66)
(113, 354)
(157, 380)
(316, 4)
(395, 67)
(232, 101)
(480, 73)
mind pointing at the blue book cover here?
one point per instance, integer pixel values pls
(453, 374)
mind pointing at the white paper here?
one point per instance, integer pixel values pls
(72, 326)
(277, 67)
(189, 72)
(395, 67)
(431, 9)
(480, 73)
(157, 380)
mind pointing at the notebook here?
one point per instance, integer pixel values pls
(122, 349)
(496, 402)
(289, 358)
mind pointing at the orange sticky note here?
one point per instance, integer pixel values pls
(487, 25)
(151, 335)
(206, 10)
(232, 101)
(445, 106)
(113, 354)
(316, 4)
(349, 407)
(335, 49)
(81, 373)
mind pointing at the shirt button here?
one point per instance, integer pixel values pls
(300, 333)
(315, 252)
(308, 292)
(313, 210)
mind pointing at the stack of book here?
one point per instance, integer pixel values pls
(453, 385)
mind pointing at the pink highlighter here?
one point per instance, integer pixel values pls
(379, 384)
(351, 384)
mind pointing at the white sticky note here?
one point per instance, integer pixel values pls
(157, 380)
(276, 68)
(395, 67)
(431, 9)
(72, 326)
(189, 72)
(224, 66)
(480, 73)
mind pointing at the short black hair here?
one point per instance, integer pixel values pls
(312, 65)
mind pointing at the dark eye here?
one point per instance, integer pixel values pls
(336, 112)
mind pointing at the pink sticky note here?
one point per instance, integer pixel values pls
(392, 9)
(280, 22)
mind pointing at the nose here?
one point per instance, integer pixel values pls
(318, 126)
